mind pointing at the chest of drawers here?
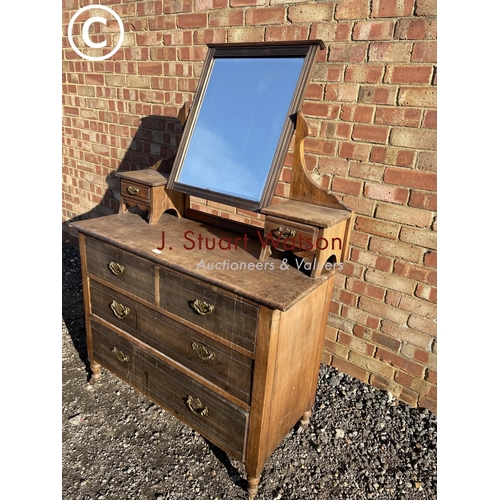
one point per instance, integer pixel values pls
(187, 314)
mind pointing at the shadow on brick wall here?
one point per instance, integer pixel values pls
(156, 139)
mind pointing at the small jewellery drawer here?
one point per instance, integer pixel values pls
(290, 235)
(205, 306)
(228, 369)
(220, 421)
(121, 269)
(134, 190)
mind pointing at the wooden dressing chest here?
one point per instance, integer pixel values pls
(227, 343)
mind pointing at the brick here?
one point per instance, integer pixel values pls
(318, 109)
(407, 334)
(151, 38)
(411, 178)
(430, 404)
(377, 94)
(226, 18)
(270, 15)
(334, 166)
(430, 119)
(389, 52)
(424, 52)
(370, 133)
(352, 9)
(245, 3)
(419, 273)
(392, 156)
(343, 130)
(357, 113)
(426, 7)
(364, 73)
(421, 237)
(397, 249)
(408, 74)
(382, 310)
(210, 4)
(196, 20)
(202, 37)
(371, 364)
(347, 52)
(366, 171)
(150, 68)
(377, 227)
(352, 151)
(174, 6)
(287, 32)
(348, 186)
(356, 344)
(397, 361)
(423, 200)
(253, 34)
(360, 205)
(343, 92)
(426, 292)
(427, 160)
(351, 369)
(329, 32)
(373, 30)
(407, 117)
(390, 280)
(419, 307)
(431, 376)
(405, 215)
(386, 193)
(416, 384)
(416, 29)
(418, 97)
(310, 12)
(430, 259)
(414, 138)
(392, 8)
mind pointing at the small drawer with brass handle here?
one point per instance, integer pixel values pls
(119, 310)
(116, 268)
(120, 355)
(202, 352)
(134, 190)
(196, 406)
(121, 269)
(280, 233)
(210, 308)
(201, 307)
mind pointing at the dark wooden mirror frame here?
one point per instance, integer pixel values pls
(306, 49)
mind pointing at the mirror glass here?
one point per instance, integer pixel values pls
(239, 124)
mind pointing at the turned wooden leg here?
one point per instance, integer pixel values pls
(253, 486)
(304, 421)
(96, 372)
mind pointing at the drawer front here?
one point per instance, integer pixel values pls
(228, 369)
(134, 190)
(121, 269)
(218, 312)
(218, 420)
(294, 236)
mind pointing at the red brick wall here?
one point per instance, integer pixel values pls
(372, 107)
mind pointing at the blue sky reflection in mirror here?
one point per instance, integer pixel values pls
(239, 124)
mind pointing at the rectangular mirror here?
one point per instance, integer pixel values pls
(240, 124)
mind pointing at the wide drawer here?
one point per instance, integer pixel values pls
(134, 190)
(120, 268)
(220, 421)
(228, 369)
(290, 235)
(206, 306)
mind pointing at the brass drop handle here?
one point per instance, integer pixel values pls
(202, 308)
(116, 268)
(203, 353)
(283, 232)
(119, 310)
(121, 356)
(132, 190)
(196, 406)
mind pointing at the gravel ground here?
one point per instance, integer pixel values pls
(116, 444)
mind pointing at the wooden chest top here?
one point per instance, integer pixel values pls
(223, 258)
